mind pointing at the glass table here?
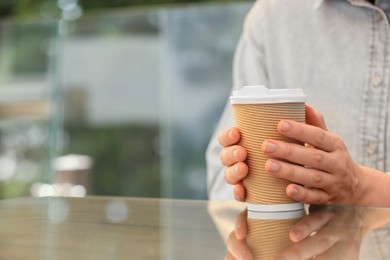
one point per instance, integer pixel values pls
(140, 228)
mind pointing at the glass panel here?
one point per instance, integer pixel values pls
(111, 100)
(199, 46)
(122, 102)
(24, 105)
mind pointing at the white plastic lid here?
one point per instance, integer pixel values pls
(263, 95)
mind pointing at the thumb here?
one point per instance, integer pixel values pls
(315, 118)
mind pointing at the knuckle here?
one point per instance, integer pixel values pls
(321, 138)
(304, 197)
(338, 162)
(228, 175)
(288, 152)
(229, 155)
(317, 158)
(316, 196)
(339, 143)
(235, 173)
(221, 138)
(323, 242)
(316, 179)
(291, 173)
(222, 156)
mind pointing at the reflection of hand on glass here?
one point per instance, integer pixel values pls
(328, 233)
(237, 247)
(261, 235)
(332, 232)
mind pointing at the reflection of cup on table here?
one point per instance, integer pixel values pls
(268, 232)
(257, 112)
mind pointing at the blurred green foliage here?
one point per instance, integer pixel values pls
(31, 44)
(125, 161)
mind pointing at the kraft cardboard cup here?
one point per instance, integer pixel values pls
(257, 112)
(268, 232)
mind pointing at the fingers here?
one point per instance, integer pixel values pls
(239, 192)
(233, 154)
(311, 246)
(240, 227)
(308, 195)
(309, 134)
(229, 256)
(310, 223)
(233, 157)
(309, 177)
(236, 173)
(299, 154)
(237, 249)
(229, 136)
(236, 244)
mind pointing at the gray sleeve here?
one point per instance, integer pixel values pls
(248, 69)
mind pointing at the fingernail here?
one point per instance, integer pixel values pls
(296, 235)
(235, 153)
(284, 126)
(269, 147)
(272, 166)
(293, 191)
(236, 169)
(238, 197)
(230, 134)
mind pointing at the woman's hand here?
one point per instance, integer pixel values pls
(322, 172)
(233, 157)
(237, 247)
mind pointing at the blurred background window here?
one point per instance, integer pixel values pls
(114, 98)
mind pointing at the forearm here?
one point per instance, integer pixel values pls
(375, 188)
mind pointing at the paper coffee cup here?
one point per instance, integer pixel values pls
(257, 112)
(268, 232)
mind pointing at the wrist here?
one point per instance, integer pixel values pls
(373, 188)
(364, 187)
